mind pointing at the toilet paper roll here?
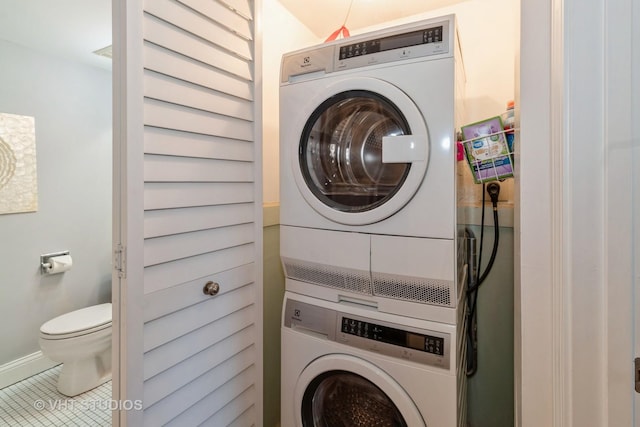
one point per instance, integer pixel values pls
(60, 264)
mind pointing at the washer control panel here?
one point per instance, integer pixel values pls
(391, 339)
(400, 337)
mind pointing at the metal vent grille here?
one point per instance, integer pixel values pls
(324, 275)
(416, 289)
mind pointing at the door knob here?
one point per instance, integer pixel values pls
(211, 288)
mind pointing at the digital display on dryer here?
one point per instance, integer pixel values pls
(414, 38)
(399, 337)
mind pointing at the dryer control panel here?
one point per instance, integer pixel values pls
(405, 41)
(431, 38)
(392, 339)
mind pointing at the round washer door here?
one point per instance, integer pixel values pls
(363, 151)
(343, 390)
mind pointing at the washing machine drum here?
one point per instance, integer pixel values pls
(340, 390)
(345, 399)
(340, 151)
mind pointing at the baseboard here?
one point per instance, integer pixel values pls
(271, 214)
(25, 367)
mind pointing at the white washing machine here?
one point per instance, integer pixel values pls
(360, 368)
(367, 169)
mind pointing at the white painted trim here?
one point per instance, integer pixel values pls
(537, 215)
(560, 271)
(24, 367)
(128, 207)
(635, 154)
(258, 222)
(472, 214)
(620, 80)
(116, 209)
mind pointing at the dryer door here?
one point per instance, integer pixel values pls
(342, 390)
(363, 151)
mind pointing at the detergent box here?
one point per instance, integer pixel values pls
(487, 151)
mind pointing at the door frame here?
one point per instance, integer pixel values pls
(128, 202)
(573, 308)
(621, 133)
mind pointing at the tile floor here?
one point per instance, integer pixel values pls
(36, 402)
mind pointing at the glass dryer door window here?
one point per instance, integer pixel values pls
(340, 152)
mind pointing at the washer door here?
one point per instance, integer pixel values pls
(363, 151)
(340, 390)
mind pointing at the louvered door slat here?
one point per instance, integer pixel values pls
(201, 26)
(183, 144)
(165, 61)
(166, 222)
(180, 92)
(176, 39)
(223, 15)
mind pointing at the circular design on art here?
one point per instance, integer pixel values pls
(7, 163)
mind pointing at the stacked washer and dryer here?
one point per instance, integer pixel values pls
(374, 258)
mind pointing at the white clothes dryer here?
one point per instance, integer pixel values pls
(358, 367)
(367, 168)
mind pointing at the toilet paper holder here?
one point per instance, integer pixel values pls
(46, 262)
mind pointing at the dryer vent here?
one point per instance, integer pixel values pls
(334, 277)
(415, 289)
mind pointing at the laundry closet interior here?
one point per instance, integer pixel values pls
(488, 36)
(470, 44)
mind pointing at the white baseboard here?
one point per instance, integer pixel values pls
(25, 367)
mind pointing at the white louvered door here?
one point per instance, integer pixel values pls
(187, 168)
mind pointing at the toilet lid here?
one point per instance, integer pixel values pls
(79, 320)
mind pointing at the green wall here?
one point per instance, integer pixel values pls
(491, 390)
(273, 279)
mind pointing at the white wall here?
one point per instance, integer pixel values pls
(282, 33)
(488, 37)
(71, 104)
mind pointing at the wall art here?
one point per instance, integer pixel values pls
(18, 171)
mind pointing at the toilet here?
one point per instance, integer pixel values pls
(81, 340)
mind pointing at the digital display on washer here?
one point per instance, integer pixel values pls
(429, 35)
(426, 343)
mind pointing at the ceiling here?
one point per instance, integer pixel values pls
(323, 17)
(73, 29)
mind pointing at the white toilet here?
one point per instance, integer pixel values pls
(81, 340)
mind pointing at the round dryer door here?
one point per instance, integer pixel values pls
(363, 151)
(342, 390)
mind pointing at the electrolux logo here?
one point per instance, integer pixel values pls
(306, 62)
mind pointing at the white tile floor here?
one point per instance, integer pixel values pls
(36, 402)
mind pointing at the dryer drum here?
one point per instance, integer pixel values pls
(340, 151)
(345, 399)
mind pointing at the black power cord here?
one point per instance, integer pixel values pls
(493, 189)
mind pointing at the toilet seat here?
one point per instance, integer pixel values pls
(80, 322)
